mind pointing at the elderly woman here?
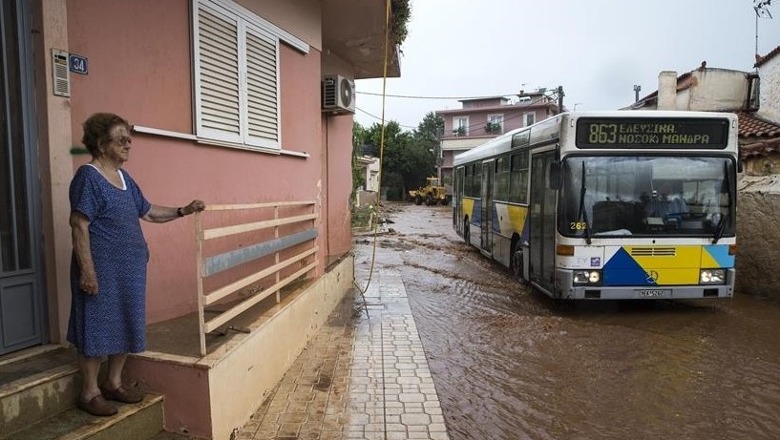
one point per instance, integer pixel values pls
(108, 271)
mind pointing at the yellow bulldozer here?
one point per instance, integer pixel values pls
(432, 193)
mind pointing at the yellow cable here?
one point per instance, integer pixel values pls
(381, 152)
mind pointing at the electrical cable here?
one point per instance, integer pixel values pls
(449, 98)
(476, 125)
(379, 118)
(379, 216)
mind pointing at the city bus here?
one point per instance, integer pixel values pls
(607, 205)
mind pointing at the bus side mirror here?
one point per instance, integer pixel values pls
(554, 176)
(739, 165)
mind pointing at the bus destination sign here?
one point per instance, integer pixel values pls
(665, 133)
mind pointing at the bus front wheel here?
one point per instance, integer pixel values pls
(516, 263)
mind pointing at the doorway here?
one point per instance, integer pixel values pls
(542, 223)
(21, 298)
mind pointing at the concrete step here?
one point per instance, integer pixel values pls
(38, 393)
(137, 421)
(36, 385)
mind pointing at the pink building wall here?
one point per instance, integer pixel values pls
(338, 163)
(149, 82)
(514, 117)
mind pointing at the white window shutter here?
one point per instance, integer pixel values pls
(219, 113)
(262, 89)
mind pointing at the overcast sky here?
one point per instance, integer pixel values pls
(597, 50)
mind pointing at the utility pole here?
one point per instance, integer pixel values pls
(560, 99)
(762, 10)
(637, 88)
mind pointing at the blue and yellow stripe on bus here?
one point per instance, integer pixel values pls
(509, 219)
(470, 208)
(657, 265)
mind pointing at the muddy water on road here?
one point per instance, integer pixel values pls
(510, 364)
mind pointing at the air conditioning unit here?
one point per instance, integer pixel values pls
(338, 94)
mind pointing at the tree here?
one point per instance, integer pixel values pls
(359, 134)
(429, 131)
(407, 160)
(407, 157)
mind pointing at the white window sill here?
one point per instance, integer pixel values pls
(193, 138)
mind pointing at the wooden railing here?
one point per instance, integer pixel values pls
(258, 250)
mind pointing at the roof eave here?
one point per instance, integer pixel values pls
(354, 30)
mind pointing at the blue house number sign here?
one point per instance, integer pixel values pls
(78, 64)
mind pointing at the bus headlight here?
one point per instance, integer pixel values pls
(587, 276)
(712, 276)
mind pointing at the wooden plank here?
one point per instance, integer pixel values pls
(224, 291)
(248, 227)
(227, 260)
(257, 205)
(200, 268)
(222, 319)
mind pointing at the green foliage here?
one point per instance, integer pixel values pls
(407, 157)
(358, 139)
(430, 130)
(492, 127)
(363, 217)
(401, 14)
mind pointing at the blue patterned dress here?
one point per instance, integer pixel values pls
(114, 320)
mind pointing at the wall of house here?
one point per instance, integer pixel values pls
(717, 89)
(372, 175)
(338, 166)
(769, 100)
(762, 165)
(702, 90)
(302, 16)
(149, 82)
(758, 237)
(54, 140)
(514, 117)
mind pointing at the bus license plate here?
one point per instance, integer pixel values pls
(655, 293)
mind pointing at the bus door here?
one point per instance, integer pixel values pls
(542, 223)
(486, 237)
(457, 195)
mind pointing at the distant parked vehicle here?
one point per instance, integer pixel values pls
(432, 193)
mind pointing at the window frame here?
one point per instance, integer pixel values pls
(497, 118)
(248, 26)
(526, 116)
(456, 124)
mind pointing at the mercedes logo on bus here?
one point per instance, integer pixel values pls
(652, 277)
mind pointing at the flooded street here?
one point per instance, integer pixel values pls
(509, 363)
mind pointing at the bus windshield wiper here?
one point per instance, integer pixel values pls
(719, 230)
(582, 215)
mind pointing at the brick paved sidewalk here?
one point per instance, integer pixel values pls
(359, 378)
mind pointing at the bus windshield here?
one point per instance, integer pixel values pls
(610, 196)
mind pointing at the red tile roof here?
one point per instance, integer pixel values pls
(763, 59)
(767, 132)
(765, 136)
(763, 148)
(751, 126)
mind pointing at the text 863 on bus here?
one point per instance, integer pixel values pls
(607, 205)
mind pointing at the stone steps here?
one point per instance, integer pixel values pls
(38, 394)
